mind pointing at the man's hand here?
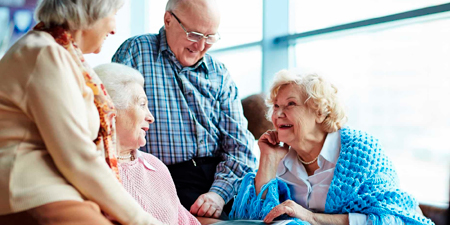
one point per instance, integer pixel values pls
(208, 205)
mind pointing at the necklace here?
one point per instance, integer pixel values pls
(306, 163)
(129, 156)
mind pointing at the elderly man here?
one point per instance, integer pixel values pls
(200, 131)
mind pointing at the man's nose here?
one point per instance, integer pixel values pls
(200, 45)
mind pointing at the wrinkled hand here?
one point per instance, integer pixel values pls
(292, 209)
(208, 205)
(269, 145)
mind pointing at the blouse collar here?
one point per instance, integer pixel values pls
(138, 155)
(329, 153)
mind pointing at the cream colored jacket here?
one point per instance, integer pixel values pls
(47, 123)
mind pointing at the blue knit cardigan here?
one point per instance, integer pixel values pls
(364, 182)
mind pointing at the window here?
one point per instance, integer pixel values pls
(395, 81)
(16, 18)
(312, 15)
(113, 42)
(156, 9)
(5, 32)
(241, 22)
(245, 68)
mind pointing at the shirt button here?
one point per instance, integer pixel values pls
(189, 94)
(201, 142)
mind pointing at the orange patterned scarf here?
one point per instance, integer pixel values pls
(106, 140)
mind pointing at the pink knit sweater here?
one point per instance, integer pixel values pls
(148, 180)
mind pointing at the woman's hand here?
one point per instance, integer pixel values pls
(295, 210)
(292, 209)
(271, 155)
(269, 145)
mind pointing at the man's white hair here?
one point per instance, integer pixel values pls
(172, 5)
(75, 14)
(117, 79)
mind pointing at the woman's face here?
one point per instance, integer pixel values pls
(291, 117)
(94, 37)
(132, 123)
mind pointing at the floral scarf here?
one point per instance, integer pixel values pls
(106, 139)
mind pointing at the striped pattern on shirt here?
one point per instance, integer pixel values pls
(197, 110)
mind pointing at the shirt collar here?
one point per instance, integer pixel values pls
(164, 47)
(163, 41)
(287, 162)
(329, 152)
(331, 146)
(138, 155)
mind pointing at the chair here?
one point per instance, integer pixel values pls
(255, 111)
(438, 214)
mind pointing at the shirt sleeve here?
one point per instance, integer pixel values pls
(55, 102)
(361, 219)
(129, 53)
(357, 219)
(236, 142)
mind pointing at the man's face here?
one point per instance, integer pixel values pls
(188, 52)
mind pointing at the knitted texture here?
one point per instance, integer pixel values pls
(249, 206)
(154, 190)
(364, 182)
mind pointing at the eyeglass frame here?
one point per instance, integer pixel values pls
(196, 33)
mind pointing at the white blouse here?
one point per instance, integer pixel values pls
(311, 191)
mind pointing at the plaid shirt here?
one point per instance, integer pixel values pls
(197, 110)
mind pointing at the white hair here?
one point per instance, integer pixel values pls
(117, 79)
(172, 5)
(75, 14)
(319, 95)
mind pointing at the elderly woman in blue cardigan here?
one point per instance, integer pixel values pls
(317, 171)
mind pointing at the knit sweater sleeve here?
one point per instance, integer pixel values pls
(248, 205)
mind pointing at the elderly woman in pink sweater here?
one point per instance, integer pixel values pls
(143, 175)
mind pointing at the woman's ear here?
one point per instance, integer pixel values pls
(320, 117)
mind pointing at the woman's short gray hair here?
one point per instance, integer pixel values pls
(75, 14)
(117, 79)
(314, 87)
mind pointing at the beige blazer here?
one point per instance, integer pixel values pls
(47, 123)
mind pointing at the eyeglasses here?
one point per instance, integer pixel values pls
(196, 36)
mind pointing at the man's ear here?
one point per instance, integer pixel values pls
(167, 19)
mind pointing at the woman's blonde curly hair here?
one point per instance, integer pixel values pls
(319, 94)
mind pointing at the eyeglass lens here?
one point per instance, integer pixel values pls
(211, 39)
